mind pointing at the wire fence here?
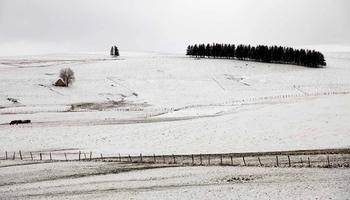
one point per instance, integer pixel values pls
(302, 158)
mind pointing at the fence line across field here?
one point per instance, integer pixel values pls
(302, 158)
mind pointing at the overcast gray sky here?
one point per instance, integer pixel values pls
(38, 26)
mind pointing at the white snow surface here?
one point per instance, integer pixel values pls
(155, 103)
(55, 181)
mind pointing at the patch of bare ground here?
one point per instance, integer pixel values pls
(99, 106)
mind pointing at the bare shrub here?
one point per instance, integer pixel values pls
(67, 75)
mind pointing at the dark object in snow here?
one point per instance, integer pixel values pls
(15, 122)
(67, 76)
(114, 51)
(13, 100)
(260, 53)
(60, 83)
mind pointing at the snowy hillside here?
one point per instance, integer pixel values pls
(155, 103)
(98, 180)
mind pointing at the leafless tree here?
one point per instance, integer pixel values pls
(67, 75)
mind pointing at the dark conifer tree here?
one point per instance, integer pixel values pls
(208, 50)
(112, 51)
(201, 50)
(189, 50)
(261, 53)
(116, 51)
(195, 50)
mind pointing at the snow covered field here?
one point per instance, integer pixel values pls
(164, 104)
(97, 180)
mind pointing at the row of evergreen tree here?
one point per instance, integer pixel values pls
(261, 53)
(114, 51)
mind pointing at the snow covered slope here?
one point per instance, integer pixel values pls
(155, 103)
(96, 180)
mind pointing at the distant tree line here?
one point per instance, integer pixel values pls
(260, 53)
(114, 51)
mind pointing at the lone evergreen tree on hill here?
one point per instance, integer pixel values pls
(114, 51)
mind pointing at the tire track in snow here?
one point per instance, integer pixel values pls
(217, 82)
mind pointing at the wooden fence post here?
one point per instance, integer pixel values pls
(41, 156)
(5, 155)
(14, 155)
(209, 159)
(120, 158)
(130, 158)
(192, 160)
(65, 155)
(308, 160)
(277, 161)
(221, 159)
(20, 155)
(328, 162)
(244, 161)
(301, 161)
(163, 159)
(154, 158)
(85, 156)
(50, 156)
(200, 159)
(31, 155)
(79, 155)
(174, 159)
(141, 157)
(101, 156)
(231, 160)
(289, 161)
(90, 155)
(259, 161)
